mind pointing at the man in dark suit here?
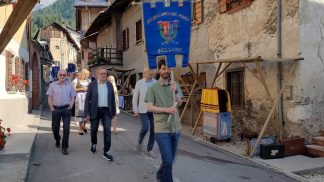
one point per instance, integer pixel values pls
(100, 105)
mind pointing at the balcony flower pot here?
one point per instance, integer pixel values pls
(4, 133)
(2, 144)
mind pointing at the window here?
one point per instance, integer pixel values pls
(197, 12)
(125, 39)
(57, 47)
(139, 32)
(235, 86)
(230, 6)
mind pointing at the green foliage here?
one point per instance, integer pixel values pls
(62, 11)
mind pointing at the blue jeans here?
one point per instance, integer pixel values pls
(147, 123)
(104, 116)
(168, 145)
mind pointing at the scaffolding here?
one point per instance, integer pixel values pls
(223, 65)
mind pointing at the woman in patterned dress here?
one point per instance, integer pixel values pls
(81, 87)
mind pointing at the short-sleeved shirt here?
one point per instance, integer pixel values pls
(161, 96)
(61, 93)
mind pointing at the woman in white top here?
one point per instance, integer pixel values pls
(114, 119)
(81, 87)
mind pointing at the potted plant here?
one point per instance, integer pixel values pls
(14, 79)
(4, 133)
(99, 60)
(26, 84)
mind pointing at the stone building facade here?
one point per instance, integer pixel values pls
(227, 29)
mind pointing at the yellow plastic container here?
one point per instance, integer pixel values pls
(210, 101)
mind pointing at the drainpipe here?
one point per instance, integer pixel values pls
(279, 67)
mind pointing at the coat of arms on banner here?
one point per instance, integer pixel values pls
(168, 31)
(163, 26)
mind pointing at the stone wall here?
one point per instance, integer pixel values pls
(246, 33)
(305, 112)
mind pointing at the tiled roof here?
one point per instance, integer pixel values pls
(97, 3)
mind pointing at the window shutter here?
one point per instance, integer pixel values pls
(127, 35)
(198, 12)
(8, 69)
(223, 6)
(19, 65)
(124, 40)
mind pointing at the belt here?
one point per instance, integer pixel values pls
(102, 107)
(61, 107)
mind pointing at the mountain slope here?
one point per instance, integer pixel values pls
(61, 11)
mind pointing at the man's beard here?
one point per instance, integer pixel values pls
(165, 75)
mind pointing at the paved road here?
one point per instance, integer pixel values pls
(195, 161)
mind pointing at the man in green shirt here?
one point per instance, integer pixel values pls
(163, 103)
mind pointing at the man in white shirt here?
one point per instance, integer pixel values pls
(139, 108)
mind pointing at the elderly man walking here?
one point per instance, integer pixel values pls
(100, 105)
(139, 108)
(60, 100)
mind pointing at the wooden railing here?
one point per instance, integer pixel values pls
(105, 56)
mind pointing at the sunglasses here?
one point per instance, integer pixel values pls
(62, 74)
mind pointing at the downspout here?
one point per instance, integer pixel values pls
(279, 67)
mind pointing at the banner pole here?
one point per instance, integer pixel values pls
(173, 93)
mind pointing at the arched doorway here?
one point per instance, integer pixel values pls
(35, 83)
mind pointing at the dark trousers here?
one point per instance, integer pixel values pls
(65, 115)
(168, 145)
(104, 116)
(147, 121)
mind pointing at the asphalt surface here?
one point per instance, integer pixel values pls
(195, 161)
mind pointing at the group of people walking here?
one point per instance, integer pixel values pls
(155, 102)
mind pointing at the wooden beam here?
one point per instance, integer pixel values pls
(282, 59)
(231, 60)
(181, 80)
(273, 108)
(262, 78)
(215, 77)
(127, 80)
(249, 69)
(228, 64)
(193, 72)
(15, 20)
(196, 124)
(191, 92)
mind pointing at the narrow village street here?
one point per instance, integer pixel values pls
(244, 79)
(195, 161)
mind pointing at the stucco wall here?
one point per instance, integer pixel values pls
(18, 47)
(248, 32)
(66, 52)
(134, 57)
(305, 111)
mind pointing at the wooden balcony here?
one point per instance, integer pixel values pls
(105, 56)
